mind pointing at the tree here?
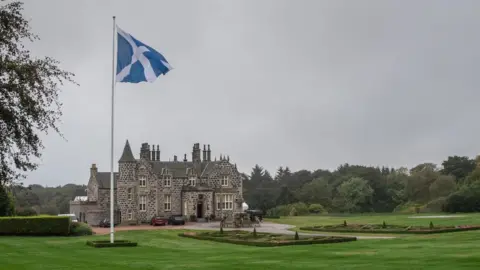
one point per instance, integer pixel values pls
(7, 204)
(285, 197)
(318, 191)
(29, 91)
(353, 194)
(460, 167)
(443, 186)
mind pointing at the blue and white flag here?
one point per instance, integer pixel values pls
(137, 62)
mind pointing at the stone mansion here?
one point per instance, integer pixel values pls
(148, 186)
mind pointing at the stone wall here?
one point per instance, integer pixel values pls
(95, 216)
(192, 199)
(81, 209)
(104, 199)
(125, 181)
(234, 187)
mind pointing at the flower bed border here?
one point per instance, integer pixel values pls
(106, 243)
(422, 230)
(327, 240)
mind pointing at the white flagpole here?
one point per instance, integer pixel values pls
(112, 198)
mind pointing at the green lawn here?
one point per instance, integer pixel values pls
(165, 250)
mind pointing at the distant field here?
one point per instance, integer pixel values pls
(165, 250)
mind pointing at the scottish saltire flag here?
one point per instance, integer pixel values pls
(137, 62)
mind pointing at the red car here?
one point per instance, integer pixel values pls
(162, 221)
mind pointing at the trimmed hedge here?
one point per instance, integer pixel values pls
(406, 230)
(106, 243)
(35, 226)
(323, 240)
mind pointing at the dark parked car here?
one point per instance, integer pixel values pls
(176, 220)
(159, 221)
(255, 213)
(106, 223)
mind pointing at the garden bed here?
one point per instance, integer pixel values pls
(106, 243)
(385, 228)
(264, 239)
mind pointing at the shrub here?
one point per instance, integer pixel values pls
(80, 229)
(289, 210)
(384, 225)
(26, 212)
(254, 232)
(296, 236)
(316, 208)
(345, 223)
(431, 225)
(116, 243)
(35, 225)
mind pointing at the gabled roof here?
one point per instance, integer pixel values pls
(103, 179)
(179, 168)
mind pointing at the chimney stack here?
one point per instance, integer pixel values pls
(158, 152)
(145, 151)
(204, 153)
(93, 170)
(152, 153)
(209, 157)
(185, 158)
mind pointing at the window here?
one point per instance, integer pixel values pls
(167, 180)
(129, 215)
(192, 181)
(129, 193)
(168, 203)
(143, 203)
(224, 181)
(142, 181)
(225, 202)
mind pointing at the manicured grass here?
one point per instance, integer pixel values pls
(166, 250)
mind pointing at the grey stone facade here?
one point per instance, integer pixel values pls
(148, 187)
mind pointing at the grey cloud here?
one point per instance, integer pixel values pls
(308, 84)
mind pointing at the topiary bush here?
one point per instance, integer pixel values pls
(431, 225)
(35, 225)
(384, 225)
(80, 229)
(296, 236)
(254, 232)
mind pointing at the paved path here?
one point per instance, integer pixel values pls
(269, 227)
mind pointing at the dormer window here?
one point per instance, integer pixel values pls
(224, 181)
(167, 180)
(142, 181)
(192, 181)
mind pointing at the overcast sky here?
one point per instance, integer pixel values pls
(304, 84)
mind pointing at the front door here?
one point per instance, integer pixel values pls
(200, 210)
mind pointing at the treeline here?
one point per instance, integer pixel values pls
(453, 187)
(36, 199)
